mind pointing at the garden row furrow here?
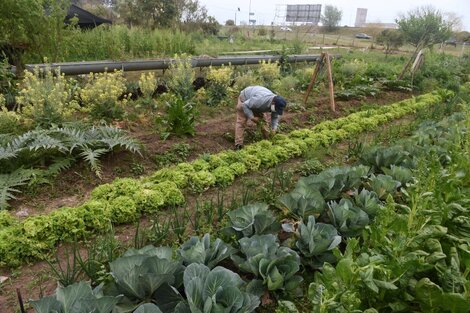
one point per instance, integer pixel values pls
(124, 200)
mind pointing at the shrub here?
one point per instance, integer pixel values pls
(101, 95)
(46, 97)
(180, 116)
(245, 80)
(269, 72)
(219, 84)
(182, 75)
(148, 84)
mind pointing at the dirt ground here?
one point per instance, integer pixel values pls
(214, 133)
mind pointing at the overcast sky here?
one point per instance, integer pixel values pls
(378, 11)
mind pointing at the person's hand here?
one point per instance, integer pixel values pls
(254, 119)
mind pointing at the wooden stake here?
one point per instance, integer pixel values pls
(20, 300)
(330, 83)
(317, 70)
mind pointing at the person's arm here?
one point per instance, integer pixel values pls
(246, 109)
(274, 120)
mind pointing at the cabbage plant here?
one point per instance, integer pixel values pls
(204, 251)
(348, 219)
(213, 291)
(368, 201)
(383, 185)
(76, 298)
(273, 266)
(252, 219)
(332, 182)
(303, 202)
(316, 240)
(148, 275)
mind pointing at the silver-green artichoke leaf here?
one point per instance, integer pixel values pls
(276, 266)
(203, 251)
(348, 219)
(217, 290)
(75, 298)
(253, 219)
(317, 239)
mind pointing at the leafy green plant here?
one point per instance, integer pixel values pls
(78, 297)
(177, 153)
(203, 251)
(273, 266)
(180, 117)
(315, 242)
(310, 167)
(252, 219)
(182, 77)
(215, 290)
(148, 275)
(71, 273)
(383, 185)
(348, 219)
(368, 201)
(303, 202)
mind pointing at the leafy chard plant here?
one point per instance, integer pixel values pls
(274, 267)
(252, 219)
(315, 242)
(216, 290)
(203, 251)
(76, 298)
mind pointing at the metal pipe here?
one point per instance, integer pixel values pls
(76, 68)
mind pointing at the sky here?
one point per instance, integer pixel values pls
(378, 11)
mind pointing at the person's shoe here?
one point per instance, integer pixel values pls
(238, 147)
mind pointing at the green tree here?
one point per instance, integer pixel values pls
(391, 39)
(229, 23)
(331, 17)
(149, 13)
(194, 17)
(20, 27)
(424, 26)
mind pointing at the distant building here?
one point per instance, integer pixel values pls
(361, 16)
(381, 25)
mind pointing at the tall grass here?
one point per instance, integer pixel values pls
(114, 42)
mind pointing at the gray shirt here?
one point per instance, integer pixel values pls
(258, 99)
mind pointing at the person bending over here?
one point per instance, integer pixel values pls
(255, 104)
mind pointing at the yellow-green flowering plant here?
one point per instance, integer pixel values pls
(269, 72)
(182, 75)
(101, 95)
(46, 97)
(219, 84)
(147, 85)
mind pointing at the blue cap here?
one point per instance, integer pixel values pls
(279, 104)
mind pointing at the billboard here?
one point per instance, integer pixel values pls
(303, 13)
(361, 16)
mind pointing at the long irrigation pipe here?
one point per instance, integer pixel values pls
(76, 68)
